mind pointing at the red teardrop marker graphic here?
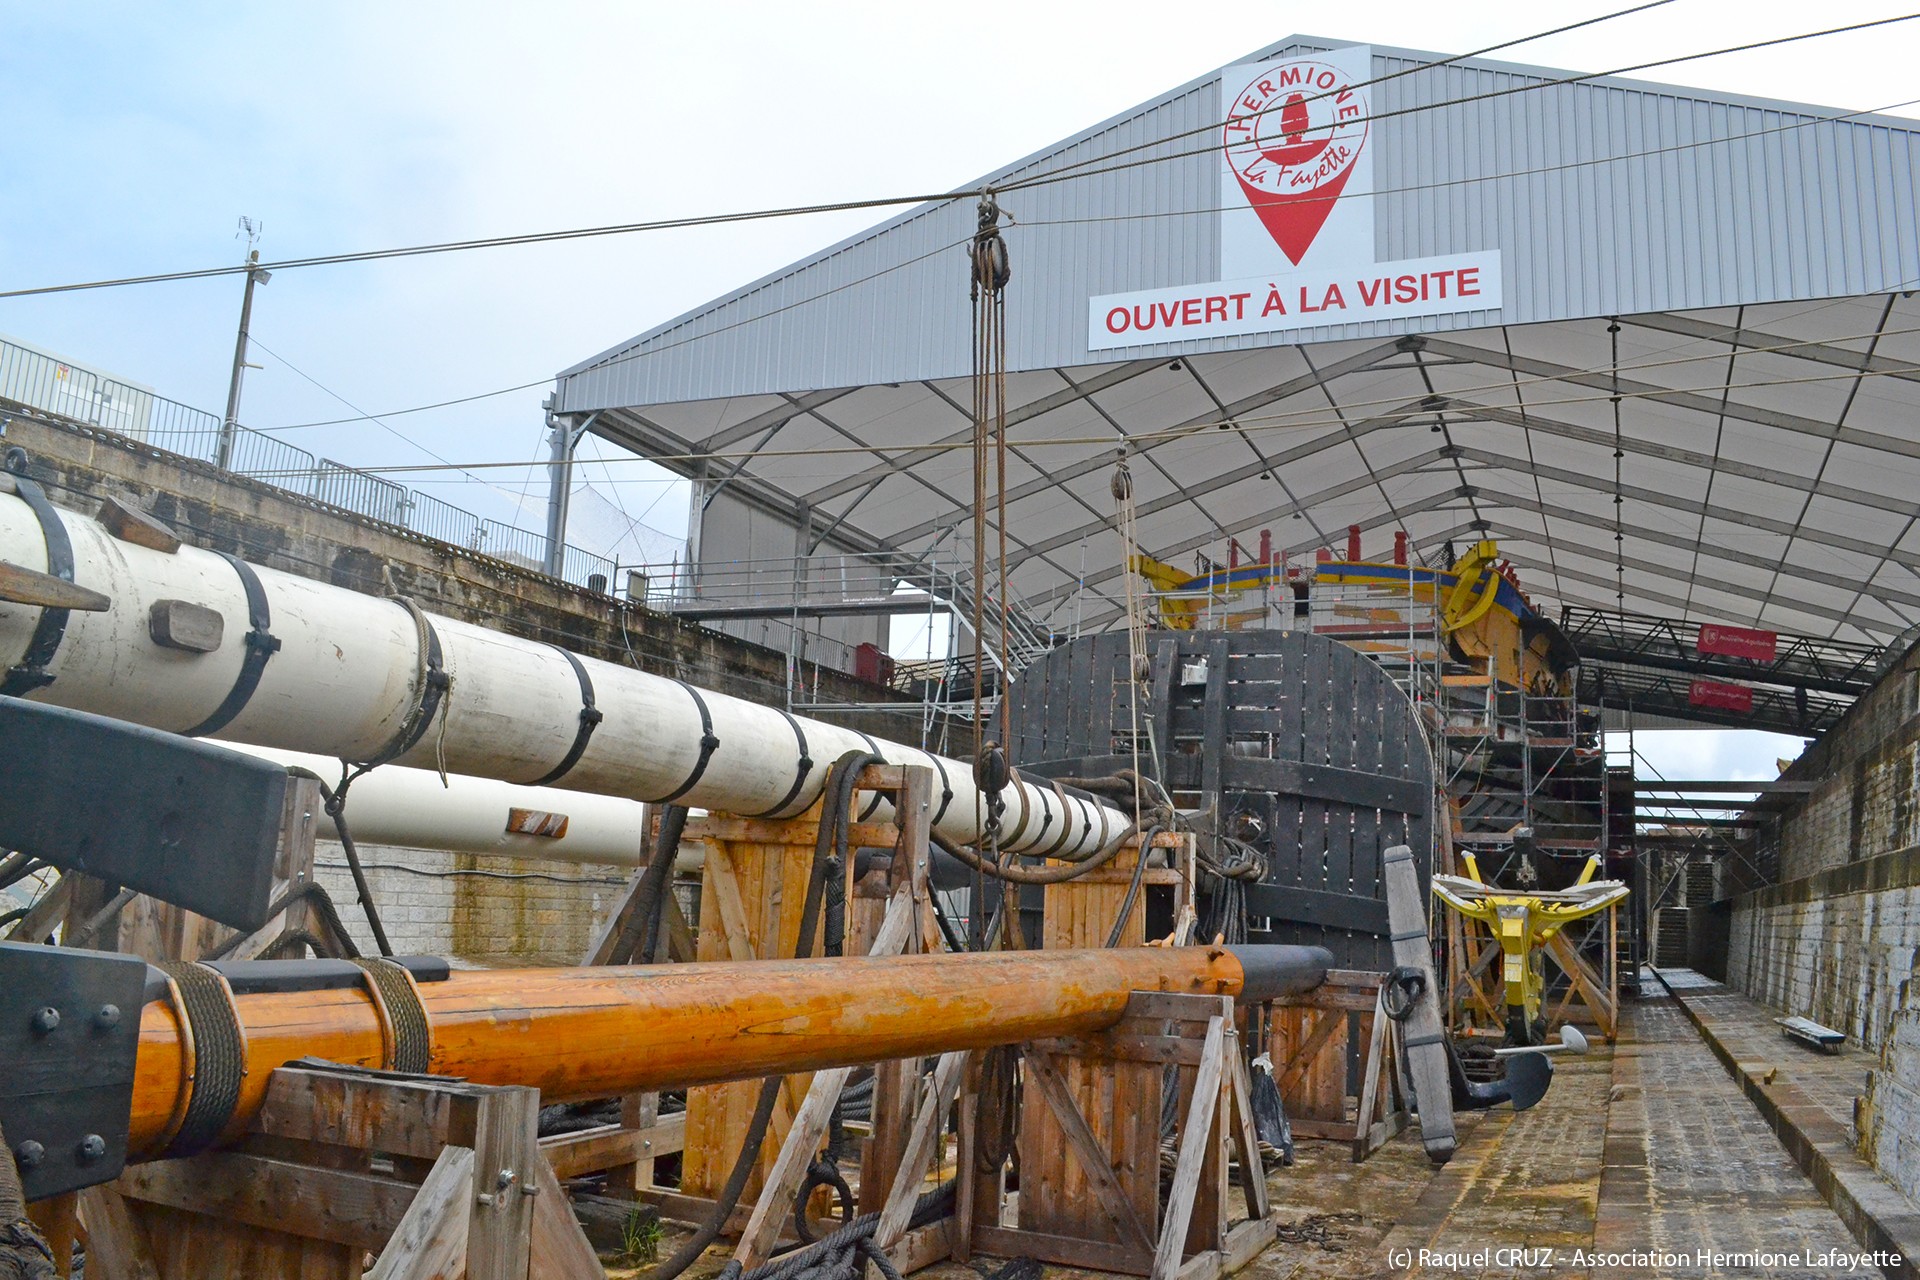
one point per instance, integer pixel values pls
(1292, 138)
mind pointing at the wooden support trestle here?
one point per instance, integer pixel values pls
(1090, 1150)
(434, 1178)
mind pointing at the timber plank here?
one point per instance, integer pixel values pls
(431, 1240)
(559, 1249)
(332, 1205)
(117, 1245)
(1190, 1164)
(1093, 1159)
(573, 1155)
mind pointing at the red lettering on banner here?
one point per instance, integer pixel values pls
(1721, 697)
(1736, 642)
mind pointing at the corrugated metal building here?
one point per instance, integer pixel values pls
(1716, 289)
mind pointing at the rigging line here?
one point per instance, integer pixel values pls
(491, 242)
(661, 348)
(663, 224)
(1434, 65)
(1896, 286)
(637, 353)
(390, 430)
(1537, 171)
(543, 237)
(1302, 420)
(1492, 94)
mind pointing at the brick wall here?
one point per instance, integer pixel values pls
(1837, 940)
(487, 910)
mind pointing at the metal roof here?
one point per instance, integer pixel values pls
(1759, 383)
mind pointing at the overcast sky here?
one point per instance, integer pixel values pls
(136, 135)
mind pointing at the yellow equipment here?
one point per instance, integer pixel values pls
(1186, 599)
(1523, 923)
(1476, 585)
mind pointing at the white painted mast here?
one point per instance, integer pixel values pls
(365, 678)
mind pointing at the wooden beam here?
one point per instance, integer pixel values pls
(334, 1205)
(1244, 1244)
(506, 1150)
(1066, 1251)
(1195, 1144)
(605, 948)
(430, 1242)
(921, 1143)
(366, 1111)
(1302, 1058)
(558, 1249)
(116, 1244)
(38, 924)
(813, 1115)
(573, 1155)
(1086, 1148)
(1253, 1175)
(1422, 1043)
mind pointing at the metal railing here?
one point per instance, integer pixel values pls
(37, 381)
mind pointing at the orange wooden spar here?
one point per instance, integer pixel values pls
(593, 1032)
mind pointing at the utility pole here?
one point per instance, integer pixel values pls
(230, 426)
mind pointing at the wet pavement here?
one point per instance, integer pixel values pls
(1645, 1159)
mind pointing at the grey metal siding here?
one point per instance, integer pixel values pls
(1714, 202)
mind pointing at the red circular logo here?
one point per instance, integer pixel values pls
(1292, 137)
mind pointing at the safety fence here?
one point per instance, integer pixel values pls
(39, 381)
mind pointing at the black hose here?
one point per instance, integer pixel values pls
(654, 887)
(322, 906)
(1014, 873)
(1133, 887)
(845, 1251)
(834, 812)
(291, 943)
(947, 931)
(17, 867)
(336, 807)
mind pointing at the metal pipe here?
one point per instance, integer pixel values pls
(594, 1032)
(352, 673)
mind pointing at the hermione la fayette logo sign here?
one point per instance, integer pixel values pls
(1293, 137)
(1292, 186)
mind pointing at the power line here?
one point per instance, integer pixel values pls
(755, 215)
(494, 242)
(659, 348)
(1364, 84)
(1047, 180)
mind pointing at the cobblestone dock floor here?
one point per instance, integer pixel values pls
(1692, 1167)
(1644, 1147)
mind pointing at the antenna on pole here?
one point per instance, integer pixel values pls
(230, 425)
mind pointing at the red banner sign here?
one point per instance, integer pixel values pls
(1720, 697)
(1736, 642)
